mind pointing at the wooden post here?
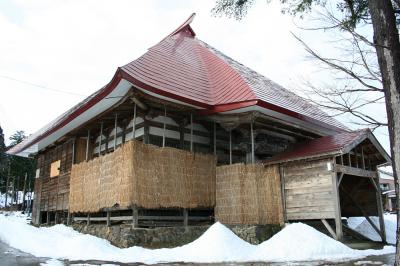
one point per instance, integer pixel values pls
(73, 151)
(283, 195)
(215, 138)
(356, 155)
(185, 217)
(191, 132)
(47, 217)
(135, 217)
(164, 125)
(87, 145)
(68, 218)
(88, 219)
(146, 137)
(134, 122)
(182, 135)
(380, 208)
(108, 218)
(56, 217)
(101, 137)
(252, 141)
(349, 158)
(116, 133)
(362, 157)
(230, 146)
(338, 215)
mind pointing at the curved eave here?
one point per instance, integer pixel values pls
(70, 117)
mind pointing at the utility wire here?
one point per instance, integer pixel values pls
(40, 86)
(51, 89)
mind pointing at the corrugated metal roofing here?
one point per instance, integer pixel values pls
(334, 144)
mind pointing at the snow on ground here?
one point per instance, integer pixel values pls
(18, 199)
(296, 242)
(361, 225)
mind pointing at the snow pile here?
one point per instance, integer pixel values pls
(296, 242)
(361, 225)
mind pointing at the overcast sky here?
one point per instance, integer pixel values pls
(73, 48)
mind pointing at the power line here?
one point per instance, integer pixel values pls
(40, 86)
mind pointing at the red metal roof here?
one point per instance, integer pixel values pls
(329, 145)
(185, 68)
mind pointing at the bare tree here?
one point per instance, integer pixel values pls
(381, 14)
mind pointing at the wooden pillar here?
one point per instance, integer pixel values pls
(230, 146)
(135, 217)
(68, 218)
(185, 217)
(356, 155)
(134, 122)
(73, 151)
(88, 219)
(191, 132)
(164, 126)
(56, 217)
(252, 142)
(182, 134)
(362, 157)
(108, 218)
(146, 137)
(116, 131)
(338, 215)
(215, 138)
(379, 207)
(101, 137)
(87, 145)
(48, 217)
(349, 155)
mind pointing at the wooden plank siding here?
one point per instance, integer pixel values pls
(52, 193)
(308, 190)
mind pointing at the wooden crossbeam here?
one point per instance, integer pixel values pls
(355, 171)
(380, 233)
(329, 228)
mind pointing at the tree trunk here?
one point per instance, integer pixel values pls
(386, 39)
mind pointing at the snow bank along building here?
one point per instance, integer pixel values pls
(186, 135)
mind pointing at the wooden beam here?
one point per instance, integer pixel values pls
(135, 217)
(164, 124)
(363, 213)
(101, 137)
(230, 146)
(87, 145)
(252, 142)
(329, 228)
(215, 138)
(340, 179)
(116, 130)
(191, 132)
(380, 214)
(354, 171)
(108, 218)
(185, 217)
(134, 121)
(338, 215)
